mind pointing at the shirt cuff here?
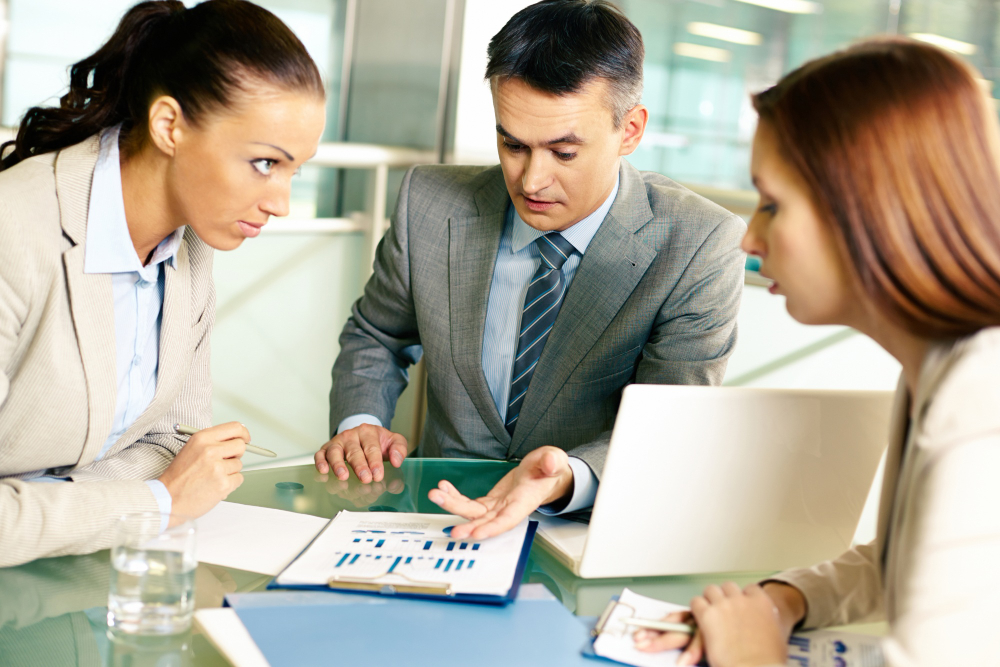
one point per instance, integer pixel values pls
(358, 420)
(163, 499)
(584, 490)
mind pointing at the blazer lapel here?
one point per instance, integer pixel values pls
(611, 268)
(897, 439)
(904, 460)
(90, 295)
(174, 362)
(472, 254)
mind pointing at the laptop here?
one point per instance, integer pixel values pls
(726, 479)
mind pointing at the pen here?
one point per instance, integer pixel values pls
(253, 449)
(662, 626)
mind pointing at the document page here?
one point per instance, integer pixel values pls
(820, 648)
(406, 549)
(615, 641)
(255, 539)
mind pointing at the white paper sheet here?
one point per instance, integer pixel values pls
(807, 649)
(228, 634)
(404, 548)
(616, 643)
(255, 539)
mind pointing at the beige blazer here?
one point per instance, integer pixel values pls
(933, 570)
(58, 384)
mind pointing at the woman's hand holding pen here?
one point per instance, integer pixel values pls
(207, 469)
(736, 627)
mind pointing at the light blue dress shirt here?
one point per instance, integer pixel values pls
(517, 260)
(138, 297)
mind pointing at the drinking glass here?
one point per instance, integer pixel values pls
(152, 575)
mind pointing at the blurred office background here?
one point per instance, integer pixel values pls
(404, 81)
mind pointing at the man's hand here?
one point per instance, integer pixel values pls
(364, 447)
(543, 476)
(206, 470)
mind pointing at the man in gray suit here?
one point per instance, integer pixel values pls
(539, 289)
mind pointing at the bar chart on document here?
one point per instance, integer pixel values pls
(394, 548)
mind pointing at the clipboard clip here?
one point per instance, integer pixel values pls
(375, 586)
(605, 616)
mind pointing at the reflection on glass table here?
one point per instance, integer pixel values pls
(53, 611)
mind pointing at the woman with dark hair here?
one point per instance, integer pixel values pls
(179, 135)
(879, 177)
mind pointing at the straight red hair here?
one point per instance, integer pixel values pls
(901, 149)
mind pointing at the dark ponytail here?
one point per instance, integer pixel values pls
(198, 56)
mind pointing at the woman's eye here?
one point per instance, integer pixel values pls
(513, 148)
(770, 209)
(263, 166)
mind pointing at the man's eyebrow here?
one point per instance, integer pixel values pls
(568, 139)
(277, 148)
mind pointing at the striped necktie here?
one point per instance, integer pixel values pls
(541, 305)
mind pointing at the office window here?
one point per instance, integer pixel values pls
(704, 58)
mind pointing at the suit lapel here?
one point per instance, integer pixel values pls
(472, 254)
(897, 439)
(90, 295)
(175, 331)
(611, 268)
(903, 462)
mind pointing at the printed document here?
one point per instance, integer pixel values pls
(403, 549)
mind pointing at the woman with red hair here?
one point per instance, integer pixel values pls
(878, 169)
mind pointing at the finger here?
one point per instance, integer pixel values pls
(397, 450)
(335, 459)
(322, 467)
(231, 466)
(226, 431)
(553, 461)
(355, 457)
(506, 518)
(397, 486)
(229, 449)
(450, 500)
(679, 617)
(465, 530)
(698, 605)
(234, 481)
(713, 594)
(373, 452)
(731, 589)
(650, 641)
(694, 652)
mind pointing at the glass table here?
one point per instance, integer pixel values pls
(52, 611)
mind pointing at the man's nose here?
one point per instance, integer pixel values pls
(536, 176)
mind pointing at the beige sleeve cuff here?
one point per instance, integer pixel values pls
(845, 590)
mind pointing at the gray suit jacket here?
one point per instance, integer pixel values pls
(654, 300)
(58, 383)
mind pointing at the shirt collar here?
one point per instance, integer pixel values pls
(109, 246)
(579, 235)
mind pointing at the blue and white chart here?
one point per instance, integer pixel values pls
(396, 548)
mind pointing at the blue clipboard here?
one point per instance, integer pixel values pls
(393, 591)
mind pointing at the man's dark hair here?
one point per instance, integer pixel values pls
(559, 46)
